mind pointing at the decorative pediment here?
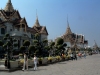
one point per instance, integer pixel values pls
(44, 30)
(23, 21)
(16, 15)
(2, 16)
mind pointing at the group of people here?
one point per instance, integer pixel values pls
(25, 64)
(74, 55)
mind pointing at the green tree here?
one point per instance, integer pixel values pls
(37, 44)
(22, 49)
(1, 43)
(32, 50)
(9, 45)
(52, 48)
(60, 46)
(26, 44)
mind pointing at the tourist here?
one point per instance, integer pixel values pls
(5, 62)
(84, 55)
(71, 56)
(25, 62)
(35, 62)
(75, 56)
(80, 55)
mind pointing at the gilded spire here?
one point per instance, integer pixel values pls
(37, 24)
(68, 31)
(9, 6)
(95, 44)
(67, 22)
(9, 1)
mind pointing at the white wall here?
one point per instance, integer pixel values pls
(43, 36)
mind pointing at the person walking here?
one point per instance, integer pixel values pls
(35, 62)
(84, 54)
(25, 64)
(71, 56)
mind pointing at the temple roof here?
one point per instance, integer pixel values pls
(31, 30)
(44, 30)
(37, 24)
(95, 44)
(9, 7)
(68, 31)
(9, 14)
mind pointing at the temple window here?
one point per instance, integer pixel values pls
(10, 29)
(32, 36)
(2, 31)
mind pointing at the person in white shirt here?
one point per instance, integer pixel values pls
(35, 62)
(71, 56)
(25, 62)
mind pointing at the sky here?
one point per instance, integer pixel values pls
(83, 16)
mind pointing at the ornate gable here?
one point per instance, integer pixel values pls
(38, 29)
(2, 15)
(32, 30)
(16, 15)
(23, 21)
(44, 30)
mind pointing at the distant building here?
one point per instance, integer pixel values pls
(71, 38)
(95, 46)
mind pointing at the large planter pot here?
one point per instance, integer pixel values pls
(50, 60)
(20, 63)
(64, 57)
(40, 61)
(2, 62)
(68, 57)
(30, 62)
(53, 59)
(58, 58)
(14, 64)
(44, 60)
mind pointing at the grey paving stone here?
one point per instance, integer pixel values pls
(88, 66)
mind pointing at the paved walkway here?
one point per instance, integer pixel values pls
(88, 66)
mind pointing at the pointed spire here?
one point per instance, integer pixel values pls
(95, 45)
(37, 24)
(68, 31)
(9, 6)
(9, 1)
(67, 22)
(36, 14)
